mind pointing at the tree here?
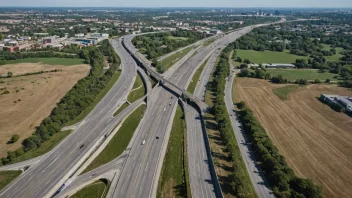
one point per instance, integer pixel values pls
(327, 80)
(239, 59)
(247, 61)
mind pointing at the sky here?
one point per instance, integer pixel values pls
(179, 3)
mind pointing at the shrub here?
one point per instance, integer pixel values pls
(14, 138)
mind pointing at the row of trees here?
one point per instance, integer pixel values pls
(281, 178)
(239, 184)
(81, 96)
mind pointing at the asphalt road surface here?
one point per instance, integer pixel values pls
(51, 172)
(141, 172)
(248, 157)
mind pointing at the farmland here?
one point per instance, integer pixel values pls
(315, 140)
(31, 98)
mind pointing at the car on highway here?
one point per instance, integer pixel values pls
(143, 142)
(157, 137)
(81, 146)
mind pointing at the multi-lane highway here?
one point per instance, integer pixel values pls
(51, 172)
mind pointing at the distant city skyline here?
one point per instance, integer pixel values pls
(179, 3)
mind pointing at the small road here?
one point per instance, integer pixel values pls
(248, 157)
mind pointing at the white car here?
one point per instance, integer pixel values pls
(143, 142)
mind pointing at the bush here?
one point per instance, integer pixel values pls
(14, 138)
(327, 81)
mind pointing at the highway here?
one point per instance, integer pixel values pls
(141, 172)
(52, 171)
(248, 157)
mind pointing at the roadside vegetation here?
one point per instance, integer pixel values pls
(121, 108)
(165, 64)
(6, 177)
(97, 189)
(82, 96)
(282, 92)
(44, 147)
(195, 79)
(232, 173)
(281, 178)
(138, 90)
(158, 44)
(174, 181)
(120, 141)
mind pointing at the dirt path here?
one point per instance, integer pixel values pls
(315, 140)
(31, 98)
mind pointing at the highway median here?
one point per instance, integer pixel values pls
(119, 142)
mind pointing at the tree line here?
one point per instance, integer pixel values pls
(80, 97)
(239, 184)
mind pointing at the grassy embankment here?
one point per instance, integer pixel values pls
(119, 142)
(193, 84)
(97, 189)
(138, 90)
(49, 61)
(283, 92)
(221, 155)
(44, 147)
(6, 177)
(169, 61)
(174, 181)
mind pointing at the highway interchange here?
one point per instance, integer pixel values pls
(141, 170)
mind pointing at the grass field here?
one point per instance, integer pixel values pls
(49, 61)
(171, 181)
(44, 147)
(268, 56)
(169, 61)
(315, 140)
(138, 90)
(119, 142)
(122, 107)
(6, 177)
(335, 57)
(283, 92)
(195, 79)
(177, 38)
(94, 190)
(101, 95)
(307, 74)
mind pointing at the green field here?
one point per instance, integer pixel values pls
(335, 57)
(119, 142)
(283, 92)
(177, 38)
(169, 61)
(306, 74)
(49, 61)
(193, 84)
(268, 56)
(138, 90)
(6, 177)
(100, 96)
(44, 147)
(94, 190)
(173, 173)
(122, 107)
